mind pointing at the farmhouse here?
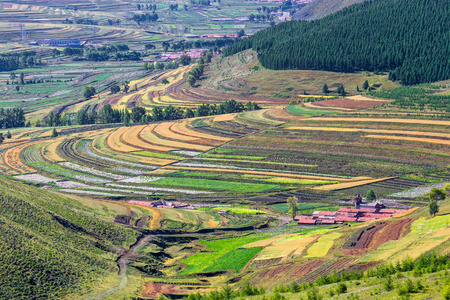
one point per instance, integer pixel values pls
(223, 212)
(347, 215)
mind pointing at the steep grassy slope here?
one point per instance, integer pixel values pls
(321, 8)
(50, 244)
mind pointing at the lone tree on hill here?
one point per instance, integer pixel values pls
(366, 85)
(89, 91)
(437, 194)
(54, 133)
(293, 205)
(371, 195)
(126, 86)
(8, 135)
(115, 89)
(434, 208)
(325, 89)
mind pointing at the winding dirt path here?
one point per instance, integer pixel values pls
(122, 263)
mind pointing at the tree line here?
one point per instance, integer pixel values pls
(139, 115)
(18, 60)
(12, 118)
(116, 52)
(409, 39)
(143, 18)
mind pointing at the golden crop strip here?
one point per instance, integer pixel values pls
(127, 157)
(164, 129)
(50, 151)
(225, 118)
(339, 129)
(274, 174)
(405, 138)
(13, 161)
(148, 135)
(405, 213)
(345, 185)
(182, 128)
(381, 120)
(113, 141)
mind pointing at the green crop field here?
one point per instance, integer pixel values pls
(234, 260)
(201, 261)
(215, 184)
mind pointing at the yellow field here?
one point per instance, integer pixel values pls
(114, 141)
(265, 242)
(405, 213)
(364, 98)
(323, 245)
(412, 139)
(149, 136)
(284, 248)
(49, 151)
(181, 128)
(156, 215)
(164, 129)
(225, 118)
(346, 129)
(345, 185)
(13, 161)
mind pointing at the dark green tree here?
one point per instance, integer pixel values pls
(184, 60)
(437, 194)
(54, 133)
(89, 91)
(8, 135)
(433, 207)
(293, 204)
(115, 89)
(126, 86)
(371, 195)
(325, 89)
(365, 85)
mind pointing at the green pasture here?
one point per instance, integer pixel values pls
(298, 109)
(207, 184)
(201, 261)
(234, 260)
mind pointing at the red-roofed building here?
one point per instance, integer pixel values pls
(341, 219)
(326, 221)
(306, 222)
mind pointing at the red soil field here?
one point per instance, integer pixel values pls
(375, 236)
(344, 103)
(152, 290)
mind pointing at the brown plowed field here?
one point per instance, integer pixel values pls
(152, 290)
(372, 237)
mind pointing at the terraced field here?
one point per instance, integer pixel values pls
(256, 153)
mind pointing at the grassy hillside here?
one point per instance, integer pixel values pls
(321, 8)
(51, 245)
(350, 40)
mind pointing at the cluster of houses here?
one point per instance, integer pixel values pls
(363, 212)
(171, 56)
(215, 36)
(163, 204)
(168, 204)
(67, 42)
